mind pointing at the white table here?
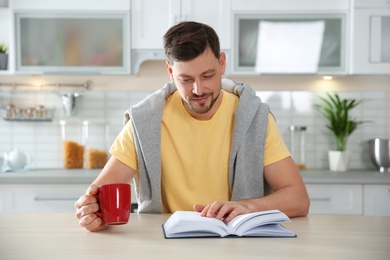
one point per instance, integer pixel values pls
(58, 236)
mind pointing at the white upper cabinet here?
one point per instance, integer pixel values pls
(355, 38)
(152, 18)
(290, 37)
(215, 13)
(289, 5)
(71, 37)
(6, 62)
(79, 5)
(149, 21)
(292, 50)
(371, 37)
(72, 42)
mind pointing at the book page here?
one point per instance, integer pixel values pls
(244, 222)
(269, 230)
(188, 223)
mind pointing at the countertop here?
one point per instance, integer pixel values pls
(348, 177)
(58, 236)
(49, 176)
(88, 175)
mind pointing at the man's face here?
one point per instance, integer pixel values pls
(199, 83)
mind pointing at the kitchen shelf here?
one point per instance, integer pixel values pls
(54, 86)
(28, 119)
(48, 117)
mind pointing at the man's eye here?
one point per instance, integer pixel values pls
(185, 80)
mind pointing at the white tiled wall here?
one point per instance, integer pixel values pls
(43, 139)
(296, 108)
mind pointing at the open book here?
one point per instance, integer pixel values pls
(184, 224)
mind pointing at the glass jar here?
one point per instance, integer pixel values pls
(72, 144)
(10, 111)
(298, 145)
(95, 138)
(40, 112)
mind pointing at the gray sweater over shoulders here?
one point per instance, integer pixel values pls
(246, 155)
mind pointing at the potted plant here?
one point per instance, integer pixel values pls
(3, 56)
(337, 112)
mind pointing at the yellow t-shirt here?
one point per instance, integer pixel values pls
(193, 171)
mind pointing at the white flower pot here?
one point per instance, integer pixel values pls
(339, 161)
(3, 61)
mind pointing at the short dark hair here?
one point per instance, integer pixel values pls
(187, 40)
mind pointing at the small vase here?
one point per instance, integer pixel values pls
(339, 161)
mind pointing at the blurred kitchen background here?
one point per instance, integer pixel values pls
(355, 53)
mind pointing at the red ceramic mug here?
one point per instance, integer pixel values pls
(115, 202)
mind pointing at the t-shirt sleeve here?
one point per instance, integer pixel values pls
(123, 147)
(275, 148)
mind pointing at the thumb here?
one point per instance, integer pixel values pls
(93, 189)
(199, 207)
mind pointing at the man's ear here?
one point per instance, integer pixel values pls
(222, 62)
(169, 69)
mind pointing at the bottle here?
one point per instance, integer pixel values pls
(298, 145)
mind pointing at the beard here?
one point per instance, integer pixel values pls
(201, 107)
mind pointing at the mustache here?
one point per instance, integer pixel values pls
(200, 96)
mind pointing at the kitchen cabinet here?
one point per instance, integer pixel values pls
(151, 19)
(40, 197)
(6, 35)
(344, 199)
(377, 200)
(5, 199)
(289, 5)
(74, 5)
(334, 14)
(72, 42)
(68, 37)
(371, 38)
(29, 198)
(46, 190)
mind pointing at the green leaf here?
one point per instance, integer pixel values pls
(339, 121)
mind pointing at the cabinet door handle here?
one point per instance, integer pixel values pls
(54, 199)
(320, 199)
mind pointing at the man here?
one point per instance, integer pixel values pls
(200, 142)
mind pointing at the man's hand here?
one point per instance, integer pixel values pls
(86, 207)
(223, 209)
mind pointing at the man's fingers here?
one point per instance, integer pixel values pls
(92, 223)
(198, 207)
(224, 210)
(93, 189)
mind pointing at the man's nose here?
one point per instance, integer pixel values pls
(197, 88)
